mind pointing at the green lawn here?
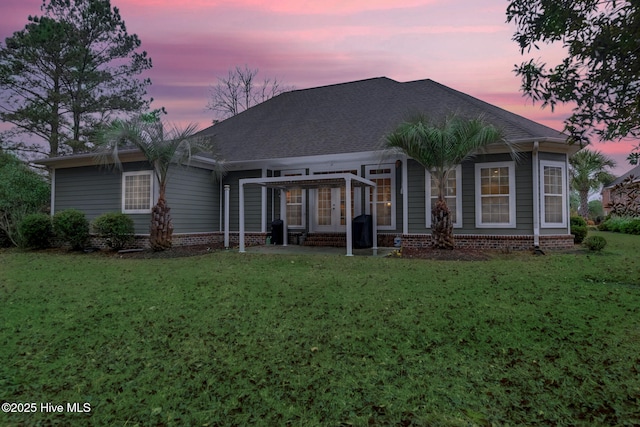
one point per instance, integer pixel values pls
(237, 339)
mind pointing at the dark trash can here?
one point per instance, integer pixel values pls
(362, 231)
(277, 232)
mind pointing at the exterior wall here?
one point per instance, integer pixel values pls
(96, 190)
(252, 201)
(524, 197)
(193, 195)
(416, 198)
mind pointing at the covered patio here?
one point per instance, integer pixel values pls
(284, 184)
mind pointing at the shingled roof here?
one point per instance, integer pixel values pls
(353, 117)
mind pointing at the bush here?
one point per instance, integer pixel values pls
(71, 227)
(631, 226)
(36, 231)
(116, 228)
(621, 224)
(22, 192)
(578, 229)
(595, 243)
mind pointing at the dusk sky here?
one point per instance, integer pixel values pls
(463, 44)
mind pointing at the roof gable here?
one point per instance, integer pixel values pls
(352, 117)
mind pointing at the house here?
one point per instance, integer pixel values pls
(608, 196)
(315, 158)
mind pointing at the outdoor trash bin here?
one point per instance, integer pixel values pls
(277, 232)
(362, 231)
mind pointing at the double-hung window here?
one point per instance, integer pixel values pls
(553, 197)
(137, 192)
(384, 177)
(452, 195)
(295, 202)
(495, 195)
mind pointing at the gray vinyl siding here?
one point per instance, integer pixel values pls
(524, 197)
(96, 190)
(252, 201)
(193, 194)
(89, 189)
(416, 199)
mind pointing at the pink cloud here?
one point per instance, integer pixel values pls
(286, 7)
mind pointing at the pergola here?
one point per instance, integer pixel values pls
(348, 180)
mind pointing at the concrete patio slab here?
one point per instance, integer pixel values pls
(316, 250)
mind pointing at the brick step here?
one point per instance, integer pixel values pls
(326, 239)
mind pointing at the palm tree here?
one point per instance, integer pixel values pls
(439, 148)
(589, 172)
(162, 146)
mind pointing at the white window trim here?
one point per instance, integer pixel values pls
(392, 175)
(303, 214)
(427, 183)
(512, 194)
(562, 166)
(151, 193)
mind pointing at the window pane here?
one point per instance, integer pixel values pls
(383, 198)
(553, 209)
(137, 193)
(553, 194)
(552, 180)
(294, 207)
(495, 209)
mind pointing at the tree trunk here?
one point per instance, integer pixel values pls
(441, 226)
(583, 209)
(161, 231)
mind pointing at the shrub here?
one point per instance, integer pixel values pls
(631, 226)
(116, 228)
(22, 192)
(578, 229)
(36, 231)
(595, 243)
(71, 227)
(621, 224)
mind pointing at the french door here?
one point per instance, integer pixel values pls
(330, 206)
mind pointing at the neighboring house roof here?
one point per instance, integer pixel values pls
(354, 117)
(635, 172)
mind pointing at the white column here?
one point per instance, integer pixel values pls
(374, 218)
(263, 209)
(226, 216)
(347, 216)
(283, 215)
(241, 216)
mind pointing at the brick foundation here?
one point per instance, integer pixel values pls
(191, 239)
(476, 241)
(411, 241)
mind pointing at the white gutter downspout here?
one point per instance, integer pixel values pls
(226, 216)
(263, 202)
(536, 195)
(53, 191)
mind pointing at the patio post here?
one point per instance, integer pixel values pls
(226, 216)
(374, 219)
(241, 216)
(347, 216)
(283, 215)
